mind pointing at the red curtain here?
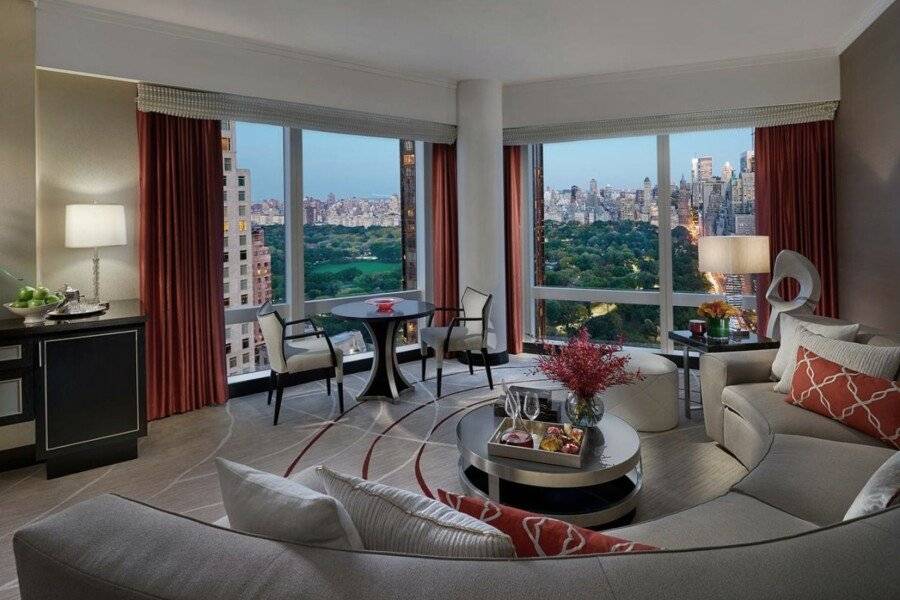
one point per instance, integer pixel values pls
(444, 225)
(795, 197)
(181, 216)
(512, 203)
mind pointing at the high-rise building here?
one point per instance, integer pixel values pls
(748, 161)
(237, 257)
(727, 171)
(704, 168)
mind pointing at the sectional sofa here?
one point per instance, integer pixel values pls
(778, 533)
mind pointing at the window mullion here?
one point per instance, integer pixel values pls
(293, 184)
(664, 201)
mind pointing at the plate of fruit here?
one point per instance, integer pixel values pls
(33, 303)
(562, 438)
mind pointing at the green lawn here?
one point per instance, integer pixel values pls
(366, 266)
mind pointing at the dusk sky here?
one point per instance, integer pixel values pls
(350, 165)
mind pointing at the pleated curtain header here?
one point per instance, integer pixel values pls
(198, 104)
(766, 116)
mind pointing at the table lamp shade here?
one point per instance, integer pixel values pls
(95, 225)
(734, 254)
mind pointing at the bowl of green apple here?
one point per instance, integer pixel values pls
(33, 303)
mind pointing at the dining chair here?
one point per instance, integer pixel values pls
(467, 332)
(298, 353)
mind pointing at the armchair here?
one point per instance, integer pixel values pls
(466, 332)
(310, 351)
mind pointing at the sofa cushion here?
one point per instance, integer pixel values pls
(881, 490)
(790, 330)
(877, 361)
(273, 506)
(393, 520)
(730, 519)
(865, 403)
(539, 535)
(812, 479)
(768, 413)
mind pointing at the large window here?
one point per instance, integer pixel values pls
(254, 249)
(602, 222)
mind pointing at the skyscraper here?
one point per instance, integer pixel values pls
(704, 168)
(748, 161)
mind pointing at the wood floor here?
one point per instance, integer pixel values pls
(176, 471)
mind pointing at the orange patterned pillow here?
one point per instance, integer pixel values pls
(865, 403)
(537, 535)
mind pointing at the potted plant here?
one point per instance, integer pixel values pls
(718, 314)
(587, 369)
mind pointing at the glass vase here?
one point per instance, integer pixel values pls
(718, 328)
(584, 412)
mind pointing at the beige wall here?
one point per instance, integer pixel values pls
(87, 151)
(868, 175)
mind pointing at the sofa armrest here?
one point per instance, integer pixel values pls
(721, 369)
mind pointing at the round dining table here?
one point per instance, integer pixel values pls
(386, 381)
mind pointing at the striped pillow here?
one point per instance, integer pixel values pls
(876, 361)
(393, 520)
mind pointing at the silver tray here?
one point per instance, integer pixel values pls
(85, 310)
(537, 430)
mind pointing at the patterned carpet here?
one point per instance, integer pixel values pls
(410, 444)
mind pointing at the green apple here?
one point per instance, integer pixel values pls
(20, 304)
(25, 293)
(52, 299)
(41, 292)
(35, 302)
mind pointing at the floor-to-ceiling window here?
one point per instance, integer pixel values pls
(615, 248)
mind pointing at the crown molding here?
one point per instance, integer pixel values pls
(72, 10)
(867, 18)
(656, 72)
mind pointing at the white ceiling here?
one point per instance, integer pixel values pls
(521, 40)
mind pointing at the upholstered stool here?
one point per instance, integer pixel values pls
(652, 403)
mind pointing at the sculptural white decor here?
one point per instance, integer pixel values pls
(792, 265)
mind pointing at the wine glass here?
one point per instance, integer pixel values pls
(532, 406)
(512, 407)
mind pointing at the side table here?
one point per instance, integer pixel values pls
(701, 344)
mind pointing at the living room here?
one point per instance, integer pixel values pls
(509, 299)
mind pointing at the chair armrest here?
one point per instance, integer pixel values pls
(442, 309)
(298, 336)
(721, 369)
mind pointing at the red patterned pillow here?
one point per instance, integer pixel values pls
(865, 403)
(537, 535)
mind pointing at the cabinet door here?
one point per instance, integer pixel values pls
(90, 389)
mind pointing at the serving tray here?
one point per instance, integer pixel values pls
(537, 429)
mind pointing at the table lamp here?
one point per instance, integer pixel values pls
(734, 255)
(95, 226)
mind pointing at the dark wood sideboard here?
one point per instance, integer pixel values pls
(82, 381)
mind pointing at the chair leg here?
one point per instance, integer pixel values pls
(271, 387)
(278, 395)
(439, 371)
(328, 385)
(487, 367)
(341, 396)
(469, 360)
(424, 359)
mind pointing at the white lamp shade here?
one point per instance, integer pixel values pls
(95, 225)
(734, 254)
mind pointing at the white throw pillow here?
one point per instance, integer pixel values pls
(272, 506)
(394, 520)
(786, 359)
(882, 487)
(877, 361)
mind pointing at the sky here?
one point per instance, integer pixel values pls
(624, 162)
(346, 165)
(350, 165)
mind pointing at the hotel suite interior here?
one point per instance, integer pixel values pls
(449, 299)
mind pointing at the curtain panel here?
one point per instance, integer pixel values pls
(181, 216)
(795, 195)
(445, 230)
(512, 204)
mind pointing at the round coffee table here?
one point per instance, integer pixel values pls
(386, 381)
(603, 491)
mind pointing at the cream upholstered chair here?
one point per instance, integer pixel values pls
(308, 352)
(466, 332)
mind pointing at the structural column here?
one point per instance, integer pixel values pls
(479, 172)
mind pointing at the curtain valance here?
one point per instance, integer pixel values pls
(765, 116)
(198, 104)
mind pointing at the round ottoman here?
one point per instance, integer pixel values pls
(652, 403)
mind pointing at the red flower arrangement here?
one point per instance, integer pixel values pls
(585, 367)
